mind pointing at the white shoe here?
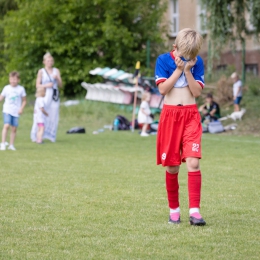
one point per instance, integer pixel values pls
(144, 134)
(2, 148)
(11, 147)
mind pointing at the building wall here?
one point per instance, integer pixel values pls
(189, 16)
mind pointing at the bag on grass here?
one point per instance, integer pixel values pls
(123, 123)
(77, 130)
(215, 127)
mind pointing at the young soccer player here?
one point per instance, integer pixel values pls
(15, 101)
(179, 76)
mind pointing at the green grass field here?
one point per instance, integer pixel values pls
(103, 197)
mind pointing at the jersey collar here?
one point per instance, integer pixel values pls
(172, 55)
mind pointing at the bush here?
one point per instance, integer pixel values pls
(224, 90)
(254, 85)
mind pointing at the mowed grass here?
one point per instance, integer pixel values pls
(103, 197)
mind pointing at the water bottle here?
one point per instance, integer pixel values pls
(116, 123)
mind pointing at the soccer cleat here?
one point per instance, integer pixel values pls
(197, 220)
(174, 218)
(144, 134)
(11, 147)
(3, 147)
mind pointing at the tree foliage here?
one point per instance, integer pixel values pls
(5, 6)
(232, 19)
(81, 35)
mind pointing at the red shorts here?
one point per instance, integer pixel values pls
(179, 134)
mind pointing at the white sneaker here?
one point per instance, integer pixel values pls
(11, 147)
(2, 148)
(144, 134)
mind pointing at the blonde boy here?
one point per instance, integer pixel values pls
(15, 101)
(179, 76)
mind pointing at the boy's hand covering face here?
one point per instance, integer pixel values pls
(179, 63)
(190, 64)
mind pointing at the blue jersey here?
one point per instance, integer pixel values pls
(165, 66)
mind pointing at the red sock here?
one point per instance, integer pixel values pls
(172, 187)
(194, 188)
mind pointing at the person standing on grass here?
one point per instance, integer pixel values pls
(237, 90)
(15, 101)
(50, 79)
(40, 113)
(179, 75)
(144, 113)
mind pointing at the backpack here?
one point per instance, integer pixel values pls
(215, 127)
(123, 123)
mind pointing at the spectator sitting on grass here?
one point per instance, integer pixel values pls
(210, 110)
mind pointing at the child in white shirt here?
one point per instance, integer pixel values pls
(237, 91)
(40, 113)
(144, 113)
(15, 101)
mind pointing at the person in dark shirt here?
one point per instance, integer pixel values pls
(210, 110)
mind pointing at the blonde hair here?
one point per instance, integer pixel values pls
(47, 55)
(188, 42)
(14, 74)
(234, 75)
(145, 95)
(40, 92)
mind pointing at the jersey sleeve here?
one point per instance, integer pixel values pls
(239, 84)
(143, 105)
(198, 72)
(161, 73)
(215, 106)
(23, 93)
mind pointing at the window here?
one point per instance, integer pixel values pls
(252, 68)
(249, 24)
(202, 17)
(174, 13)
(221, 67)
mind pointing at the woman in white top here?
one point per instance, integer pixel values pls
(50, 79)
(144, 113)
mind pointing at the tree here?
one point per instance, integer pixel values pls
(81, 35)
(5, 6)
(227, 21)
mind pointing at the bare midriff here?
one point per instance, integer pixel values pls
(179, 96)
